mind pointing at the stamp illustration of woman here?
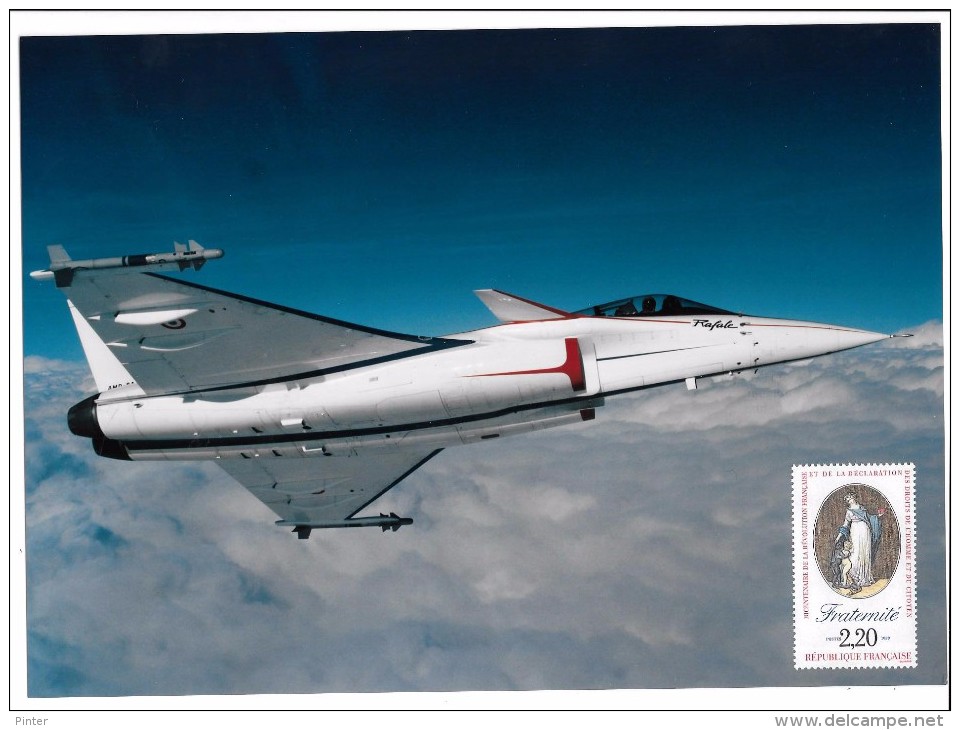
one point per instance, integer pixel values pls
(856, 545)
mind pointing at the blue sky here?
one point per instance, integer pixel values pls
(380, 178)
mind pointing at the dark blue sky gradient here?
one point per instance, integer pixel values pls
(381, 176)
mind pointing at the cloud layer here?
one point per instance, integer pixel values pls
(649, 548)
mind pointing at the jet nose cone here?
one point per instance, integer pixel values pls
(784, 340)
(847, 338)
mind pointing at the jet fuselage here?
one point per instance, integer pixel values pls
(506, 379)
(318, 418)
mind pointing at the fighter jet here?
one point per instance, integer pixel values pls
(318, 417)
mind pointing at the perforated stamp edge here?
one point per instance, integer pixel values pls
(847, 617)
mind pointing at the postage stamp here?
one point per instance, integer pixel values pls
(854, 566)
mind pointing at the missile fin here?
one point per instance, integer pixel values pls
(58, 254)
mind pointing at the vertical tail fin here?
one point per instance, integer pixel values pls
(108, 372)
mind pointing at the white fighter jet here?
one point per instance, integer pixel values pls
(318, 417)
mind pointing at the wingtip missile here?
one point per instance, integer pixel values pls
(63, 268)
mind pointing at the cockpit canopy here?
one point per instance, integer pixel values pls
(650, 305)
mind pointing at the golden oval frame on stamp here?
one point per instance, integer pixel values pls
(857, 541)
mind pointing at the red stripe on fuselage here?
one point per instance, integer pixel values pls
(572, 367)
(800, 326)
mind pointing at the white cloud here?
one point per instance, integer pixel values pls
(648, 548)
